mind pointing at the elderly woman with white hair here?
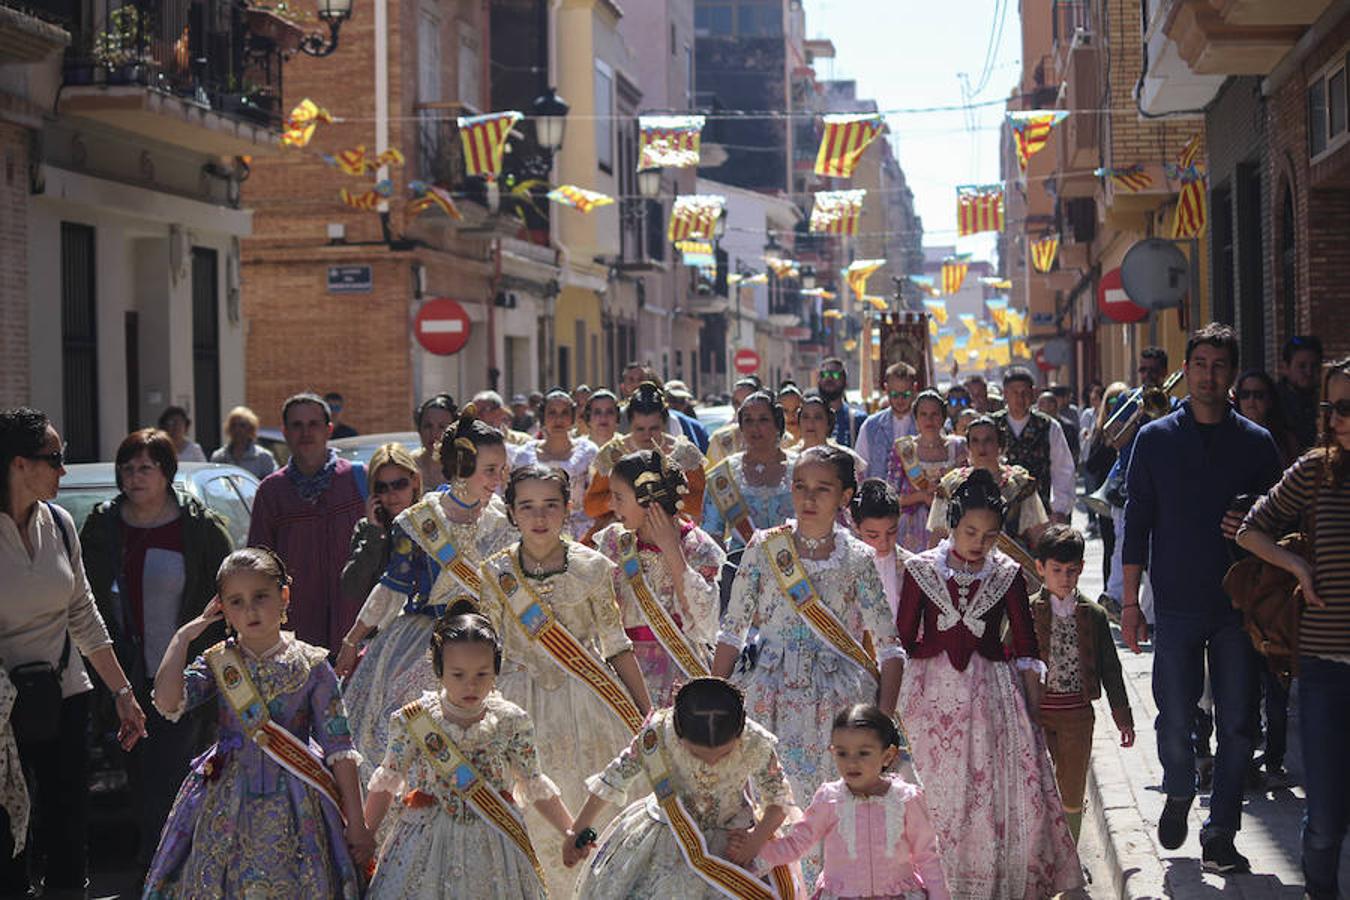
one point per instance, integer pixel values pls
(242, 450)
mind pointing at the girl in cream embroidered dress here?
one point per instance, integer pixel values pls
(404, 605)
(638, 857)
(439, 843)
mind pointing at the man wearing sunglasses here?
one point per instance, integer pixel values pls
(832, 382)
(958, 401)
(1300, 369)
(880, 430)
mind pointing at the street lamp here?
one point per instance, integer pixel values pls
(334, 13)
(808, 276)
(550, 120)
(772, 250)
(720, 225)
(649, 182)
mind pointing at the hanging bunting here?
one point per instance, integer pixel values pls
(858, 272)
(953, 274)
(428, 196)
(972, 324)
(1130, 178)
(832, 314)
(1031, 129)
(1191, 214)
(782, 268)
(979, 208)
(301, 122)
(1043, 253)
(944, 345)
(699, 254)
(694, 216)
(1017, 323)
(484, 139)
(1000, 353)
(366, 200)
(878, 303)
(850, 345)
(1020, 348)
(357, 161)
(844, 139)
(998, 311)
(579, 198)
(669, 141)
(836, 212)
(997, 283)
(933, 328)
(937, 309)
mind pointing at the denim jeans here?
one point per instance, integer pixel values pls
(1276, 725)
(1324, 700)
(1180, 645)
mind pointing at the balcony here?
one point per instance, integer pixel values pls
(1237, 37)
(1069, 26)
(25, 38)
(1080, 134)
(205, 75)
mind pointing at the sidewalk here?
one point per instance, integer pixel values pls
(1125, 800)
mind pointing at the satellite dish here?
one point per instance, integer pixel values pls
(1156, 274)
(1058, 351)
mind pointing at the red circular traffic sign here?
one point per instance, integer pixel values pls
(746, 361)
(441, 326)
(1042, 363)
(1114, 303)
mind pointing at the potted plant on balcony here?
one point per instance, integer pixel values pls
(120, 48)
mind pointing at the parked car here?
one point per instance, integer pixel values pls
(272, 440)
(229, 490)
(714, 417)
(363, 446)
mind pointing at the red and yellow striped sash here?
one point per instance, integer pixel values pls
(662, 625)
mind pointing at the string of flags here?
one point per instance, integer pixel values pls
(1131, 179)
(694, 216)
(979, 208)
(858, 272)
(1031, 129)
(1043, 253)
(1191, 213)
(669, 141)
(954, 270)
(937, 311)
(925, 284)
(428, 196)
(579, 198)
(357, 161)
(843, 141)
(836, 212)
(782, 268)
(484, 139)
(302, 121)
(998, 284)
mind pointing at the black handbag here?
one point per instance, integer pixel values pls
(36, 716)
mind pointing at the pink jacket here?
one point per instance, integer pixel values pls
(874, 846)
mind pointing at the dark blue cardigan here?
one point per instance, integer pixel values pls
(1177, 496)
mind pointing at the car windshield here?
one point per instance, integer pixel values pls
(80, 501)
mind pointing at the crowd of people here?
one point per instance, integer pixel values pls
(575, 645)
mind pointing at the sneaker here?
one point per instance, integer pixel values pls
(1220, 856)
(1172, 824)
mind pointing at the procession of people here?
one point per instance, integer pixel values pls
(837, 655)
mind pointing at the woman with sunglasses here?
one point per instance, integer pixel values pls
(395, 485)
(49, 614)
(1255, 397)
(1315, 492)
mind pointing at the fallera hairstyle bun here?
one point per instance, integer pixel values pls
(709, 712)
(254, 559)
(769, 400)
(977, 491)
(463, 624)
(814, 399)
(647, 399)
(837, 458)
(535, 472)
(462, 441)
(875, 499)
(869, 717)
(653, 479)
(933, 396)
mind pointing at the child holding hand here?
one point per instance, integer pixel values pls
(879, 840)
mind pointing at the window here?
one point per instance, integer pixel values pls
(604, 116)
(1329, 108)
(1317, 117)
(713, 19)
(79, 343)
(759, 19)
(1336, 103)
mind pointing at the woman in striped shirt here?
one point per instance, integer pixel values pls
(1319, 479)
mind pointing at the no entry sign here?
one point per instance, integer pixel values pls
(1114, 303)
(441, 326)
(746, 361)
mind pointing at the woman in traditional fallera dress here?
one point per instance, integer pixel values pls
(559, 449)
(448, 842)
(678, 567)
(752, 489)
(438, 545)
(918, 463)
(709, 751)
(530, 589)
(1026, 516)
(245, 824)
(970, 711)
(814, 658)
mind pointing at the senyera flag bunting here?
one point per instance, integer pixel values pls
(579, 198)
(669, 141)
(1043, 253)
(484, 139)
(979, 208)
(1191, 214)
(428, 196)
(836, 212)
(301, 122)
(694, 216)
(1031, 129)
(845, 138)
(1132, 179)
(954, 270)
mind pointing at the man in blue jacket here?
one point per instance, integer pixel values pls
(1185, 472)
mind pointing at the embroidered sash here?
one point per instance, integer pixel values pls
(454, 766)
(668, 635)
(285, 749)
(726, 495)
(722, 875)
(907, 450)
(794, 582)
(543, 629)
(428, 526)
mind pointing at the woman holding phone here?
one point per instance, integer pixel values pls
(395, 485)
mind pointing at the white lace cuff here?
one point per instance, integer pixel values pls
(535, 789)
(382, 606)
(597, 785)
(734, 641)
(1031, 664)
(892, 651)
(339, 755)
(388, 780)
(170, 715)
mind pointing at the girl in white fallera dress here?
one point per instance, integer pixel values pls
(438, 545)
(666, 572)
(706, 750)
(567, 660)
(448, 839)
(812, 589)
(562, 451)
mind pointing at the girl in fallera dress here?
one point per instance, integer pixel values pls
(677, 568)
(918, 463)
(813, 591)
(559, 449)
(259, 815)
(707, 751)
(438, 545)
(566, 658)
(970, 708)
(446, 841)
(878, 835)
(752, 489)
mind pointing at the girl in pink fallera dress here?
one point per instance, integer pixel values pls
(879, 839)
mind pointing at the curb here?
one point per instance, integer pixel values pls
(1126, 838)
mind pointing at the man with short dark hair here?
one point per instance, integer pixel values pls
(1152, 366)
(832, 383)
(879, 431)
(1185, 473)
(1036, 442)
(336, 406)
(306, 512)
(978, 390)
(1300, 366)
